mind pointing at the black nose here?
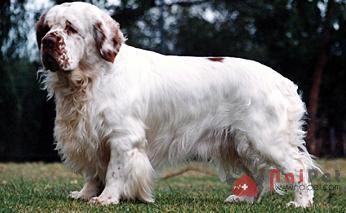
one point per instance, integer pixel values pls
(49, 41)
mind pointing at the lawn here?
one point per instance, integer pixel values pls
(39, 187)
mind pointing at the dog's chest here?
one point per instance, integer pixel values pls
(78, 140)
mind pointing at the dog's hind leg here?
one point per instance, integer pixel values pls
(257, 174)
(294, 163)
(237, 152)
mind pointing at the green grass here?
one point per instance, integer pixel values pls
(38, 187)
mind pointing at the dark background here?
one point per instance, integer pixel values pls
(305, 40)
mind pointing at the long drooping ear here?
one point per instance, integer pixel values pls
(41, 30)
(108, 38)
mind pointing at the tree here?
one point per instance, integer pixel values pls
(8, 101)
(296, 38)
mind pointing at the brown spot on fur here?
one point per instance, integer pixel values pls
(101, 38)
(109, 55)
(216, 59)
(60, 50)
(118, 38)
(54, 49)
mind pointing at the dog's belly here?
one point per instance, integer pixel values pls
(192, 129)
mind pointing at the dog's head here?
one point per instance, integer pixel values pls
(72, 33)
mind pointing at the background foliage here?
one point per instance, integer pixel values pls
(305, 40)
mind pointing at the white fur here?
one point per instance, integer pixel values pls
(117, 122)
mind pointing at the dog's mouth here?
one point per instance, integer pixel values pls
(50, 62)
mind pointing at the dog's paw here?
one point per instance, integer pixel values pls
(239, 199)
(104, 200)
(77, 195)
(74, 195)
(299, 205)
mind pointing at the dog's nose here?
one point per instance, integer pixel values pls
(49, 41)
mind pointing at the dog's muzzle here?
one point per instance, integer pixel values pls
(50, 51)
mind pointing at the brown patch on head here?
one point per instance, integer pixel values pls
(108, 38)
(100, 35)
(118, 37)
(41, 30)
(216, 59)
(109, 55)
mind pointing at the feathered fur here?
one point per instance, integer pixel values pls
(117, 122)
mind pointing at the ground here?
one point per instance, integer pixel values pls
(39, 187)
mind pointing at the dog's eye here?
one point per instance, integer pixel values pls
(69, 29)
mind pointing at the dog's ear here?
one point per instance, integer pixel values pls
(108, 38)
(41, 29)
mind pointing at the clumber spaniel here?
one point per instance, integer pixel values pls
(123, 112)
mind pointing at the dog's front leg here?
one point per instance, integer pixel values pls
(91, 188)
(129, 172)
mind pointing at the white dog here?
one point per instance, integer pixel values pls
(122, 112)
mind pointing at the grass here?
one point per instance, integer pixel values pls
(39, 187)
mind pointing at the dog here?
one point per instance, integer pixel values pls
(122, 113)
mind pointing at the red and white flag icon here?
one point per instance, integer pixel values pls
(244, 186)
